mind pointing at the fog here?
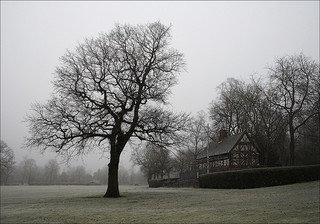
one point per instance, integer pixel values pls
(219, 40)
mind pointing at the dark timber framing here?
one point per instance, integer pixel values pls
(229, 153)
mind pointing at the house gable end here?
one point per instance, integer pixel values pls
(244, 154)
(241, 136)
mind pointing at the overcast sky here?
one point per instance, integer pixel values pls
(219, 40)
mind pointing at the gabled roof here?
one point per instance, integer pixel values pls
(222, 147)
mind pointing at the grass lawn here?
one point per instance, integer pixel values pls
(296, 203)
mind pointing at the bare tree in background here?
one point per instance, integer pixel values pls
(77, 174)
(157, 161)
(198, 134)
(164, 163)
(196, 140)
(108, 91)
(244, 106)
(182, 160)
(101, 175)
(29, 170)
(226, 111)
(308, 141)
(52, 171)
(145, 159)
(263, 121)
(294, 84)
(144, 156)
(6, 161)
(153, 160)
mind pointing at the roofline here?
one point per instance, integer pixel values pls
(254, 142)
(238, 140)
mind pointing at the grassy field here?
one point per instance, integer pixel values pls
(297, 203)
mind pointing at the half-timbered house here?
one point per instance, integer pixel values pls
(229, 153)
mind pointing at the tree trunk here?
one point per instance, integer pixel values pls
(291, 145)
(6, 179)
(291, 149)
(266, 158)
(149, 175)
(113, 183)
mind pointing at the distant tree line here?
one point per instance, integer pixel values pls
(27, 172)
(280, 111)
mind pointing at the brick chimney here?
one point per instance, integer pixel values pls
(222, 134)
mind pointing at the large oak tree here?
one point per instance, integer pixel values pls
(109, 90)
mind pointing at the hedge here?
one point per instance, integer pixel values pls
(155, 183)
(260, 177)
(163, 182)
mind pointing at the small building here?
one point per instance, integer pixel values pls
(229, 153)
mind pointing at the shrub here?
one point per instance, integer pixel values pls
(260, 177)
(163, 182)
(155, 183)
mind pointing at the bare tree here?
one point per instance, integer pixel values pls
(263, 121)
(101, 175)
(153, 160)
(52, 171)
(79, 173)
(196, 139)
(308, 141)
(198, 136)
(226, 110)
(124, 177)
(64, 178)
(144, 157)
(244, 106)
(29, 170)
(6, 161)
(294, 82)
(109, 90)
(76, 174)
(164, 163)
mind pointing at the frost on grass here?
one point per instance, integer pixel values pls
(296, 203)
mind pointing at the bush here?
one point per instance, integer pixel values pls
(155, 183)
(163, 182)
(260, 177)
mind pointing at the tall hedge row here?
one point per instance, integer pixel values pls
(260, 177)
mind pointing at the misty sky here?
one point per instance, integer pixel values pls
(219, 40)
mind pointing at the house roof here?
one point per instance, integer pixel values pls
(222, 147)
